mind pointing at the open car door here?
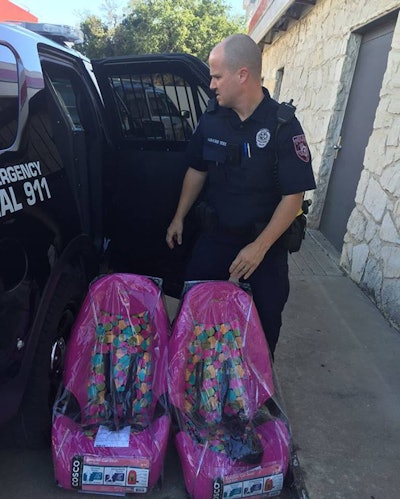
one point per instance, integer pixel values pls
(152, 104)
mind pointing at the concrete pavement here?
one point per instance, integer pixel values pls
(338, 366)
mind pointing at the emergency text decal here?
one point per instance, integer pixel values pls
(32, 187)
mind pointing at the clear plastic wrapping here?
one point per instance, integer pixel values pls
(111, 422)
(233, 440)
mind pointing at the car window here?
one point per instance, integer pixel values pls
(8, 98)
(161, 104)
(157, 106)
(67, 95)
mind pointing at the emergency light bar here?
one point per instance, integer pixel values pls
(60, 33)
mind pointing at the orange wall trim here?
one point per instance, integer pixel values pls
(11, 12)
(262, 7)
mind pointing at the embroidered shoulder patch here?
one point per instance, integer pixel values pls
(301, 148)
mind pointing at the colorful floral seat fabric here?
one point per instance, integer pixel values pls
(215, 389)
(121, 378)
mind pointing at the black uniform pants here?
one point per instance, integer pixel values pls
(211, 259)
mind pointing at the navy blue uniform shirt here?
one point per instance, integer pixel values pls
(243, 186)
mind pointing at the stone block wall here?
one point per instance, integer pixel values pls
(371, 253)
(318, 54)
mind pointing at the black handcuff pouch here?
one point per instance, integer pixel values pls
(294, 235)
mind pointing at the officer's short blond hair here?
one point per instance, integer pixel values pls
(242, 51)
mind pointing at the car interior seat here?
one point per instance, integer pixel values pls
(111, 422)
(230, 433)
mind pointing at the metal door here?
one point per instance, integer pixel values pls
(356, 130)
(152, 103)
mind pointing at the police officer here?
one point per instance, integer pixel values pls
(251, 199)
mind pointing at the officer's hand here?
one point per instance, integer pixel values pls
(174, 233)
(247, 260)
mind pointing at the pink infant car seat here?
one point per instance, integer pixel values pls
(232, 439)
(110, 424)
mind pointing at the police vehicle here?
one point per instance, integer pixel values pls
(91, 166)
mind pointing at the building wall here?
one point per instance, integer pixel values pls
(371, 253)
(318, 54)
(11, 12)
